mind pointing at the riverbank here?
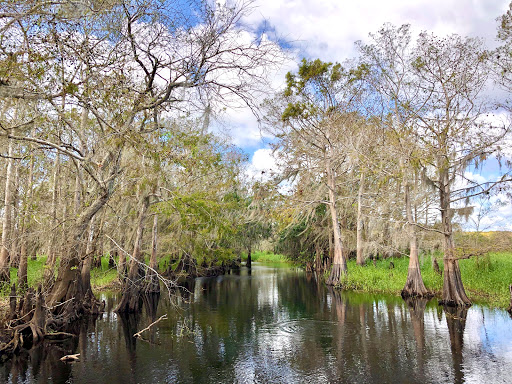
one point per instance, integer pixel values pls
(102, 278)
(267, 257)
(486, 278)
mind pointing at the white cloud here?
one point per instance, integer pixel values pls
(263, 165)
(328, 29)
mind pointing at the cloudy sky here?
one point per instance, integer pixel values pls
(327, 29)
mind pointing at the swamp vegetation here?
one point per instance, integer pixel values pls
(117, 174)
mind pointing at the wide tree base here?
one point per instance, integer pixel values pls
(414, 286)
(454, 294)
(337, 273)
(32, 321)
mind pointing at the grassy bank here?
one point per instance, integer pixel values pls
(266, 257)
(486, 279)
(101, 278)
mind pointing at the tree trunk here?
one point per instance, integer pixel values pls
(16, 218)
(339, 265)
(49, 270)
(53, 234)
(130, 302)
(121, 263)
(359, 235)
(97, 243)
(248, 264)
(87, 262)
(22, 270)
(414, 285)
(318, 258)
(153, 286)
(453, 289)
(6, 225)
(69, 283)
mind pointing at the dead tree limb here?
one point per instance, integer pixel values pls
(139, 334)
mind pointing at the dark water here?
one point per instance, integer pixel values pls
(278, 325)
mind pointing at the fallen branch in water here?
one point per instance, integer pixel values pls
(58, 335)
(139, 334)
(70, 357)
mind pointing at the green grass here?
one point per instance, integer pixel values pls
(35, 270)
(100, 277)
(266, 257)
(486, 279)
(104, 276)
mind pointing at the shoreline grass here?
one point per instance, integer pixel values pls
(102, 278)
(486, 278)
(266, 257)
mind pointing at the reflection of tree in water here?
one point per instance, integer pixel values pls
(456, 322)
(417, 311)
(378, 341)
(42, 361)
(272, 327)
(129, 325)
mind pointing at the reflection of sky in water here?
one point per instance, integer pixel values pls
(276, 327)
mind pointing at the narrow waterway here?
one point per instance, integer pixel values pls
(278, 325)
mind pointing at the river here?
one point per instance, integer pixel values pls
(276, 324)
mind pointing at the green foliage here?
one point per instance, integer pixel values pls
(296, 243)
(311, 91)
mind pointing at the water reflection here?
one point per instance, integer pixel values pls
(456, 322)
(278, 325)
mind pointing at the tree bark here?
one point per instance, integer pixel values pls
(6, 225)
(339, 265)
(121, 263)
(69, 283)
(51, 253)
(359, 230)
(248, 264)
(16, 217)
(130, 302)
(22, 270)
(87, 262)
(318, 258)
(453, 289)
(153, 285)
(414, 285)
